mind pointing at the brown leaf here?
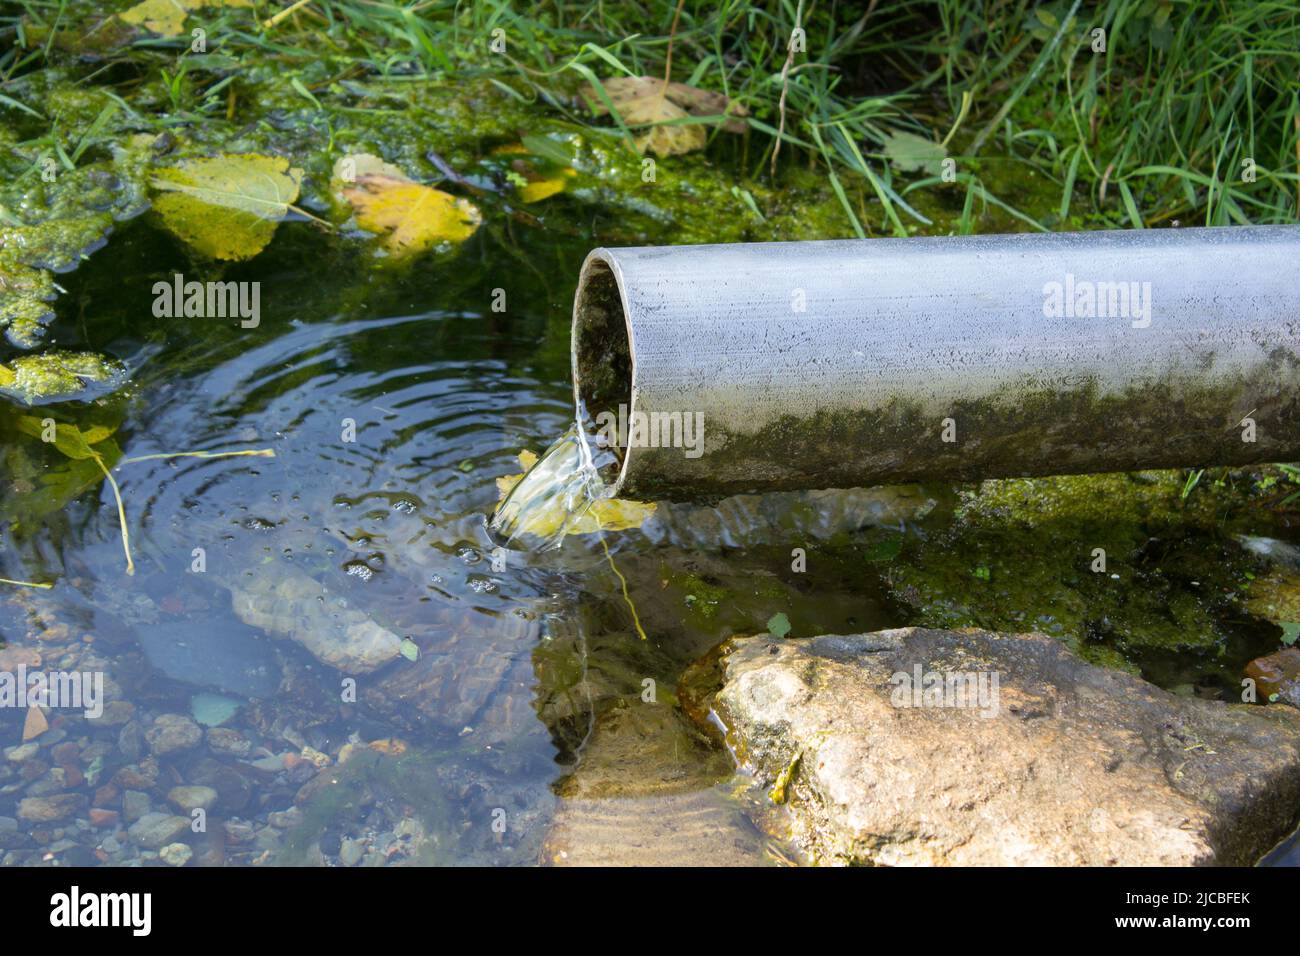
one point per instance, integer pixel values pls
(700, 102)
(643, 100)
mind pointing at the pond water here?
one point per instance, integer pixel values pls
(392, 405)
(525, 718)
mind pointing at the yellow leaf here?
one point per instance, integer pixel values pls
(227, 206)
(412, 218)
(538, 186)
(780, 788)
(167, 17)
(95, 434)
(540, 189)
(614, 514)
(506, 483)
(67, 437)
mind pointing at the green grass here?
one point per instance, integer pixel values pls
(1191, 113)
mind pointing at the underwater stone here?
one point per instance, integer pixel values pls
(172, 733)
(1277, 674)
(286, 602)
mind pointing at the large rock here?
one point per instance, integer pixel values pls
(1067, 763)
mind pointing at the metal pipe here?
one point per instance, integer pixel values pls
(863, 362)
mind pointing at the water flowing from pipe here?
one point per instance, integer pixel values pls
(557, 492)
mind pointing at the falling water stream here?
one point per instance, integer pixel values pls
(554, 496)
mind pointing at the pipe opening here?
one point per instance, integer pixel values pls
(602, 354)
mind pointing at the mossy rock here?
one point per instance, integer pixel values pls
(1275, 596)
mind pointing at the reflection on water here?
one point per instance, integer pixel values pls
(317, 659)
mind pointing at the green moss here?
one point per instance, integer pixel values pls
(1275, 596)
(24, 300)
(58, 375)
(699, 598)
(411, 778)
(1171, 584)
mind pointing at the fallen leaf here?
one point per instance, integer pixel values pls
(68, 438)
(35, 724)
(640, 103)
(700, 102)
(167, 17)
(909, 153)
(778, 625)
(410, 217)
(643, 100)
(533, 184)
(227, 206)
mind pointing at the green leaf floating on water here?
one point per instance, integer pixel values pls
(778, 625)
(42, 488)
(58, 376)
(910, 153)
(72, 441)
(1290, 632)
(227, 206)
(410, 650)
